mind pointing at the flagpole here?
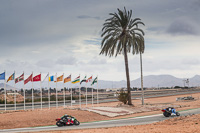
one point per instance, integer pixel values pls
(92, 97)
(5, 88)
(86, 93)
(15, 91)
(71, 90)
(79, 92)
(41, 90)
(48, 91)
(32, 93)
(56, 93)
(97, 91)
(63, 91)
(92, 93)
(24, 98)
(24, 93)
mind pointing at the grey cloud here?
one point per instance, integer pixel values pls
(195, 5)
(183, 26)
(67, 61)
(190, 62)
(49, 27)
(94, 41)
(30, 22)
(154, 28)
(18, 66)
(46, 63)
(87, 17)
(157, 30)
(96, 61)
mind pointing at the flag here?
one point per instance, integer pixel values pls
(12, 77)
(84, 80)
(45, 78)
(28, 79)
(94, 81)
(2, 76)
(59, 79)
(89, 79)
(20, 78)
(76, 80)
(67, 79)
(37, 78)
(51, 78)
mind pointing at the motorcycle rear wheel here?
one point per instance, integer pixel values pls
(166, 114)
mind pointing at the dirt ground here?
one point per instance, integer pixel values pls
(44, 117)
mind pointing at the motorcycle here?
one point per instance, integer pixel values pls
(168, 112)
(72, 121)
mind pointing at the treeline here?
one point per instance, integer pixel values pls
(52, 98)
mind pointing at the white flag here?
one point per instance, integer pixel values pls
(45, 78)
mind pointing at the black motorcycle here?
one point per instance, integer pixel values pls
(168, 112)
(72, 121)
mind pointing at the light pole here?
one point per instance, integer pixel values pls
(141, 78)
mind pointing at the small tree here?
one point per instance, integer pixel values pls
(122, 96)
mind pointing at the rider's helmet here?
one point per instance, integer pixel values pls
(65, 115)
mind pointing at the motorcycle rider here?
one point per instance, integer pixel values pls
(66, 118)
(171, 109)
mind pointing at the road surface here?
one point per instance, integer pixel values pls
(102, 124)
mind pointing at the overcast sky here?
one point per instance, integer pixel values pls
(63, 36)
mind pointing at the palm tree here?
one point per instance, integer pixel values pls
(119, 36)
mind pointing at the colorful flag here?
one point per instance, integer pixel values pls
(76, 80)
(2, 76)
(51, 78)
(20, 78)
(12, 77)
(67, 79)
(84, 80)
(59, 79)
(28, 79)
(89, 79)
(45, 78)
(94, 81)
(37, 78)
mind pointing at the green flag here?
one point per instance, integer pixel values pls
(76, 80)
(94, 81)
(84, 80)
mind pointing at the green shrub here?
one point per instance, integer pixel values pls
(2, 101)
(122, 96)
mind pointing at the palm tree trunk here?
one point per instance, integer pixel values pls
(127, 76)
(141, 78)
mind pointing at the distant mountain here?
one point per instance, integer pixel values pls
(158, 81)
(149, 81)
(153, 81)
(194, 81)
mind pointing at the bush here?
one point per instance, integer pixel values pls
(2, 101)
(122, 96)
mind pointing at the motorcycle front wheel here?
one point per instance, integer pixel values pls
(59, 124)
(177, 114)
(76, 122)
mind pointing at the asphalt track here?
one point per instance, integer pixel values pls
(102, 124)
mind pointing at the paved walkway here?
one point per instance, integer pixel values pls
(109, 111)
(117, 111)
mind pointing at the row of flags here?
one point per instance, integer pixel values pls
(51, 78)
